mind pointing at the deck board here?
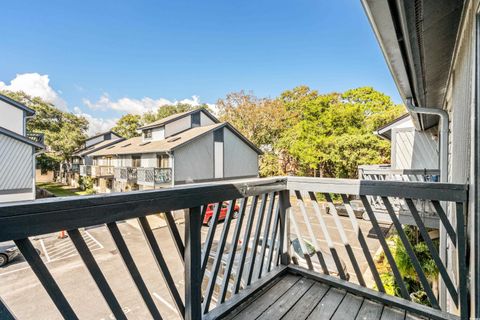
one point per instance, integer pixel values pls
(262, 303)
(288, 300)
(307, 303)
(392, 314)
(299, 297)
(370, 310)
(349, 307)
(328, 305)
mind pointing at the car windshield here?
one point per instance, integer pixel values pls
(298, 249)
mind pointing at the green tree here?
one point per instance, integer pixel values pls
(333, 133)
(128, 125)
(168, 110)
(261, 121)
(64, 131)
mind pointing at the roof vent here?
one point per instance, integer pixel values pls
(110, 147)
(126, 145)
(174, 139)
(144, 143)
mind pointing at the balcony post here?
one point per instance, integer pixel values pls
(285, 207)
(193, 274)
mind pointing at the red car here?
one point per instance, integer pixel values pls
(223, 213)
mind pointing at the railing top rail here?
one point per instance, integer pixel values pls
(53, 214)
(383, 169)
(414, 190)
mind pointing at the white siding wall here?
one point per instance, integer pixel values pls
(460, 104)
(149, 160)
(194, 161)
(218, 156)
(177, 126)
(158, 133)
(16, 169)
(239, 159)
(11, 118)
(412, 149)
(91, 142)
(204, 120)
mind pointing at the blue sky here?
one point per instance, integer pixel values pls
(106, 58)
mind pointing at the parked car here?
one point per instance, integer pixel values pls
(357, 207)
(223, 213)
(8, 251)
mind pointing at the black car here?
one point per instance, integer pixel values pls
(8, 251)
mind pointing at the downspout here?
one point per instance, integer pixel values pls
(443, 155)
(443, 143)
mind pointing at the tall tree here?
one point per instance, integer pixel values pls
(333, 133)
(307, 133)
(64, 132)
(127, 126)
(261, 121)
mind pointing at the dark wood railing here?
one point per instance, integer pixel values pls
(221, 274)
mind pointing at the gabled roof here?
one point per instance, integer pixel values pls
(103, 133)
(21, 138)
(27, 110)
(386, 130)
(137, 145)
(96, 147)
(177, 116)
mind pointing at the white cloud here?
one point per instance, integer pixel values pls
(36, 85)
(96, 125)
(136, 106)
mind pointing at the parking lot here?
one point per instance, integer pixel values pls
(23, 293)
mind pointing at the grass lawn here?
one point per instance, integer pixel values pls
(61, 190)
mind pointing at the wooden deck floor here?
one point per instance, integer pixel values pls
(296, 297)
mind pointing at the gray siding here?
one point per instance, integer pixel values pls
(460, 101)
(194, 161)
(16, 164)
(239, 159)
(412, 149)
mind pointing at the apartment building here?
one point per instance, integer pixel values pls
(18, 149)
(188, 147)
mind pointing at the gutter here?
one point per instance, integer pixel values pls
(443, 153)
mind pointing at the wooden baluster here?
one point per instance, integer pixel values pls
(193, 270)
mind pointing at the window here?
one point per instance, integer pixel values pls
(163, 161)
(136, 161)
(147, 134)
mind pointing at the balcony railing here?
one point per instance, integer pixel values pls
(153, 176)
(37, 137)
(281, 226)
(385, 172)
(102, 171)
(125, 174)
(85, 170)
(75, 167)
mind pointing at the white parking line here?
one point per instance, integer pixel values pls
(44, 250)
(95, 240)
(165, 302)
